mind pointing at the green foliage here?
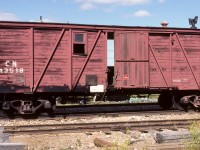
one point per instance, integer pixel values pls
(123, 146)
(68, 148)
(44, 148)
(78, 143)
(194, 143)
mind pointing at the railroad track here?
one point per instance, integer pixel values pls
(103, 126)
(112, 114)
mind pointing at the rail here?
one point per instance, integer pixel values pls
(100, 126)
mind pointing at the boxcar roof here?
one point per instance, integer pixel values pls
(12, 24)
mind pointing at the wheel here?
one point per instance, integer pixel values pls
(178, 103)
(165, 100)
(50, 111)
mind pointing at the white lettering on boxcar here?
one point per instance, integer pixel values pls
(176, 80)
(7, 63)
(5, 70)
(11, 68)
(14, 64)
(181, 80)
(11, 64)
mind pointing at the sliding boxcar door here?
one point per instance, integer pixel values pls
(131, 60)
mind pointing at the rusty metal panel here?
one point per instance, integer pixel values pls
(131, 59)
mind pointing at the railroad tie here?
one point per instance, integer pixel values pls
(5, 142)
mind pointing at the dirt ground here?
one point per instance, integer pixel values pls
(85, 141)
(82, 141)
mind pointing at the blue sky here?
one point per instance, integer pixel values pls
(109, 12)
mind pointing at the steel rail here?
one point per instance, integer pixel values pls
(100, 126)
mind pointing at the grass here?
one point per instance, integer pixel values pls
(123, 146)
(194, 143)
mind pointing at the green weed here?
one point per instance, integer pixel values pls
(194, 143)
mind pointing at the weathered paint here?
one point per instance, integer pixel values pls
(45, 61)
(38, 57)
(165, 60)
(180, 66)
(131, 59)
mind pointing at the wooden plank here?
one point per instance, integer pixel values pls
(12, 146)
(172, 136)
(49, 59)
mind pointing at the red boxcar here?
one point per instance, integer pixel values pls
(41, 61)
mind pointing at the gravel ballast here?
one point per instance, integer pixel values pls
(84, 141)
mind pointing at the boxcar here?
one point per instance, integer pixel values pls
(40, 62)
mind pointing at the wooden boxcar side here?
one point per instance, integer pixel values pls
(40, 62)
(51, 59)
(15, 60)
(157, 60)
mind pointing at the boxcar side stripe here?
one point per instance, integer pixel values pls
(49, 59)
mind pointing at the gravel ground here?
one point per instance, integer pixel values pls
(69, 141)
(84, 141)
(18, 122)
